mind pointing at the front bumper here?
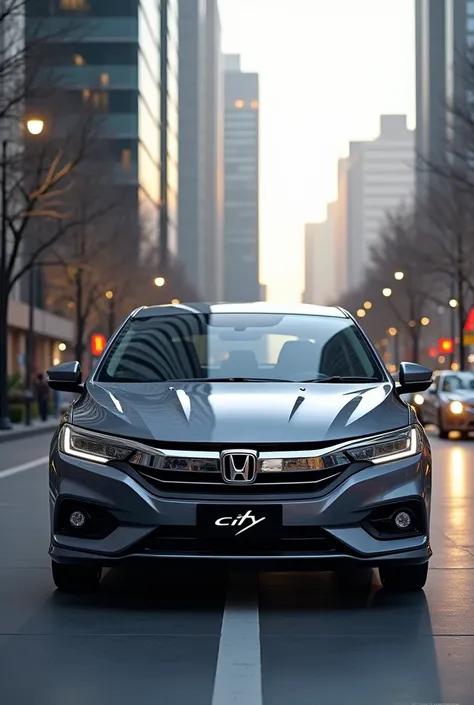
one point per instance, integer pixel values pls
(317, 532)
(457, 422)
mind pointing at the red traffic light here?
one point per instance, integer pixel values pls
(433, 352)
(98, 343)
(446, 345)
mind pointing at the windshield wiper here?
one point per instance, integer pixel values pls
(341, 380)
(232, 379)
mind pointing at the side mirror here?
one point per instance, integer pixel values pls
(414, 378)
(66, 377)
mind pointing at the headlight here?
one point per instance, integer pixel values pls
(456, 407)
(394, 446)
(90, 446)
(418, 399)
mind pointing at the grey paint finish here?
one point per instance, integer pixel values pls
(186, 417)
(241, 413)
(131, 500)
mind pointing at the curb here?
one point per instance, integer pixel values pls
(16, 434)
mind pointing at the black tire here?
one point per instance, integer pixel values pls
(406, 578)
(75, 578)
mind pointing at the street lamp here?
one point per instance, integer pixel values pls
(361, 313)
(160, 281)
(368, 305)
(175, 301)
(425, 321)
(399, 276)
(109, 295)
(454, 303)
(387, 291)
(35, 126)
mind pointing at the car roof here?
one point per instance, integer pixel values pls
(255, 307)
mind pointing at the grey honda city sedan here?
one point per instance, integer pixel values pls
(248, 433)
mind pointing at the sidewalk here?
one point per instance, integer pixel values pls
(20, 430)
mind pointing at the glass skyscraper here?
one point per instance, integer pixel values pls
(113, 60)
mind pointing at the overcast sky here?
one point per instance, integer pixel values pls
(328, 69)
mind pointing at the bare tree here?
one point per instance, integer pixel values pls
(92, 260)
(396, 251)
(39, 176)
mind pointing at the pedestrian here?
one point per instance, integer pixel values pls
(42, 396)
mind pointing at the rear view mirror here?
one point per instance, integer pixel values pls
(414, 378)
(66, 377)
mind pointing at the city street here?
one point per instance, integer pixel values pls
(213, 639)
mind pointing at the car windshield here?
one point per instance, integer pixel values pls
(461, 380)
(197, 346)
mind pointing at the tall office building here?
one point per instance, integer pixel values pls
(341, 244)
(319, 255)
(201, 130)
(444, 33)
(430, 26)
(169, 124)
(241, 167)
(121, 60)
(459, 40)
(380, 179)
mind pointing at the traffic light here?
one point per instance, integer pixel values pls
(98, 343)
(446, 346)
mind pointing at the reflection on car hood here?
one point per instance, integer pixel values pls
(240, 413)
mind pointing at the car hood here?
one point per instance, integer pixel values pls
(464, 395)
(240, 413)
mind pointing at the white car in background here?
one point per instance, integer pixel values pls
(448, 403)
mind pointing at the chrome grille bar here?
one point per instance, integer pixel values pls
(262, 485)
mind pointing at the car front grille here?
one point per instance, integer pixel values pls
(200, 472)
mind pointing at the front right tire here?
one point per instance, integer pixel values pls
(406, 578)
(75, 579)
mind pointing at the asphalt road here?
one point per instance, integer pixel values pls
(213, 639)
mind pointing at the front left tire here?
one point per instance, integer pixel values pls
(75, 579)
(406, 578)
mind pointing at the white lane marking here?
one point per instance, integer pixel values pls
(26, 466)
(238, 678)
